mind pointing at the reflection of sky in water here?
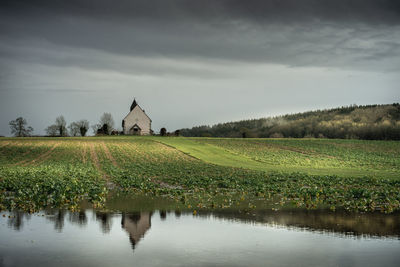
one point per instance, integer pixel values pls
(105, 239)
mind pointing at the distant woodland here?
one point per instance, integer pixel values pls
(372, 122)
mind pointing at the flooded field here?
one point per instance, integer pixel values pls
(356, 175)
(135, 237)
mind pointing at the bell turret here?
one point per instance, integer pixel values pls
(134, 104)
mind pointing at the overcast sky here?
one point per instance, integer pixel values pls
(193, 62)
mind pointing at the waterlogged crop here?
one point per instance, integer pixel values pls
(38, 173)
(35, 173)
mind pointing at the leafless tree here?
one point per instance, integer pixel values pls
(78, 127)
(107, 123)
(18, 127)
(61, 124)
(59, 128)
(96, 127)
(52, 130)
(83, 127)
(73, 128)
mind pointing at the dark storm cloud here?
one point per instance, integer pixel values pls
(369, 11)
(83, 58)
(297, 33)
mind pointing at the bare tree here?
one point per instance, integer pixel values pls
(18, 127)
(83, 127)
(107, 123)
(73, 128)
(52, 130)
(78, 127)
(61, 124)
(59, 128)
(96, 128)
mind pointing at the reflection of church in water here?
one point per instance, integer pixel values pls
(136, 224)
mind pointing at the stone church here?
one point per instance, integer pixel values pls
(136, 122)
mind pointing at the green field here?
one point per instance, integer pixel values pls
(312, 156)
(201, 173)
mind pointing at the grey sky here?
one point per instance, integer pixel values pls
(194, 62)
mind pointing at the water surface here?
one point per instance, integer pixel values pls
(219, 238)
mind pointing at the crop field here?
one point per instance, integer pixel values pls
(312, 156)
(201, 173)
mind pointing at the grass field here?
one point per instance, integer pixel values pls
(201, 173)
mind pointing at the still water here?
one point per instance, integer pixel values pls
(173, 238)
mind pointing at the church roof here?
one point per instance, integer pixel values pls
(134, 104)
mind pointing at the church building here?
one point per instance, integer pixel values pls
(136, 122)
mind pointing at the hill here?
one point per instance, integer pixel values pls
(371, 122)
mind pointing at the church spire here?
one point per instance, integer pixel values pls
(134, 104)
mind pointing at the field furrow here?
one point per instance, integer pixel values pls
(84, 151)
(22, 154)
(40, 158)
(95, 160)
(108, 154)
(4, 143)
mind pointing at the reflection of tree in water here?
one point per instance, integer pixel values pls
(178, 213)
(341, 222)
(136, 224)
(105, 221)
(163, 215)
(57, 217)
(79, 218)
(16, 219)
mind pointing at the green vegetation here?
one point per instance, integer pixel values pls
(311, 156)
(36, 173)
(201, 173)
(373, 122)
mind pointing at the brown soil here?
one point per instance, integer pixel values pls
(5, 143)
(84, 152)
(95, 159)
(42, 157)
(108, 155)
(166, 185)
(96, 163)
(127, 157)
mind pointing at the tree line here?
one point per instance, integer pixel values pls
(105, 126)
(371, 122)
(19, 127)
